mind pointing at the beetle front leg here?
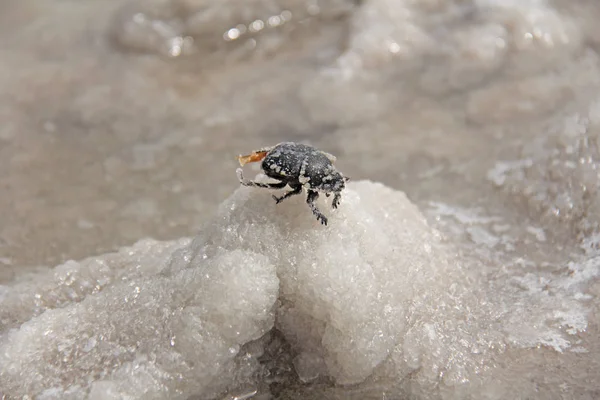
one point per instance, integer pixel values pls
(278, 185)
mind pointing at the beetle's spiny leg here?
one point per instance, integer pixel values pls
(245, 182)
(297, 190)
(310, 200)
(336, 200)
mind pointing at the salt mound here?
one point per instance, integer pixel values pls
(345, 289)
(154, 337)
(172, 322)
(373, 295)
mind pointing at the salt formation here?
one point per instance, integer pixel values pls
(151, 336)
(452, 46)
(176, 28)
(374, 294)
(168, 319)
(558, 176)
(375, 299)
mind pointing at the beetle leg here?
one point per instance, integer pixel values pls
(310, 200)
(336, 200)
(297, 190)
(278, 185)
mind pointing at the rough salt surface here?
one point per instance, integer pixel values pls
(174, 28)
(558, 176)
(374, 295)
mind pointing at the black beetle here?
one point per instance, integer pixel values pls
(299, 166)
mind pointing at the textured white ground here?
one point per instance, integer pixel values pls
(121, 120)
(375, 293)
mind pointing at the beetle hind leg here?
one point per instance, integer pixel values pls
(310, 200)
(336, 200)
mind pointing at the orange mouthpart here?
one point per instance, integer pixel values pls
(254, 157)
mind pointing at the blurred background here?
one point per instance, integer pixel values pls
(121, 120)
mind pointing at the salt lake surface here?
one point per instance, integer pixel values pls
(121, 122)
